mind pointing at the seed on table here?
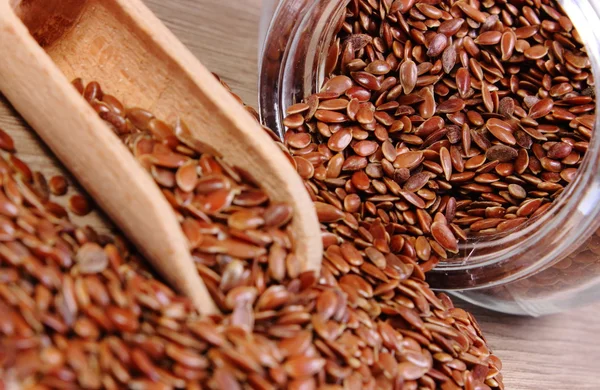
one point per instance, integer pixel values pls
(138, 327)
(6, 142)
(58, 185)
(79, 205)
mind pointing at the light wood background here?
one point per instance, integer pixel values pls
(557, 352)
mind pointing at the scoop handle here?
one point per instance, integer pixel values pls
(96, 157)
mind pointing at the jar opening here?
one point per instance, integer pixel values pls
(294, 62)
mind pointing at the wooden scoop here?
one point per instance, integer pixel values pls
(121, 44)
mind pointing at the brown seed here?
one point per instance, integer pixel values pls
(361, 181)
(487, 97)
(451, 105)
(92, 91)
(408, 75)
(559, 150)
(333, 104)
(330, 116)
(366, 80)
(327, 213)
(541, 108)
(139, 117)
(293, 121)
(408, 160)
(550, 165)
(340, 140)
(536, 52)
(79, 205)
(501, 153)
(303, 366)
(122, 319)
(443, 235)
(451, 26)
(516, 191)
(91, 258)
(463, 81)
(338, 85)
(414, 199)
(416, 182)
(58, 185)
(6, 142)
(365, 148)
(489, 38)
(437, 45)
(378, 67)
(297, 108)
(471, 11)
(186, 176)
(446, 162)
(501, 130)
(507, 45)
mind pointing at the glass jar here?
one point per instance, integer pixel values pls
(549, 265)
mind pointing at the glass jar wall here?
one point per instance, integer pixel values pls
(548, 265)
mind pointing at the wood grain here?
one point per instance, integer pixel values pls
(551, 353)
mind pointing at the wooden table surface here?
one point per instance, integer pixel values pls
(557, 352)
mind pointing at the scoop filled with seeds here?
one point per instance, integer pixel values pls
(40, 50)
